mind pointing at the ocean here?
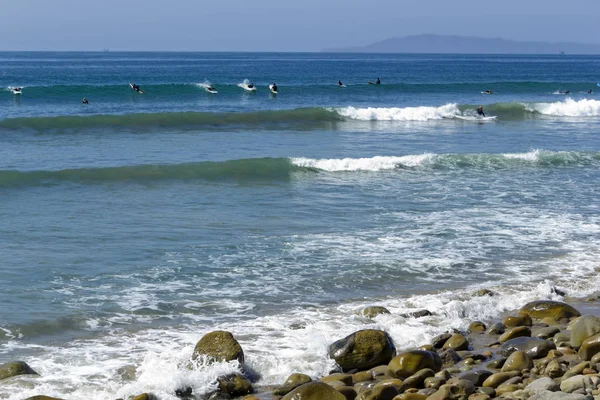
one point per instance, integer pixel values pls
(132, 226)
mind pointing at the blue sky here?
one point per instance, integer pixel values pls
(280, 25)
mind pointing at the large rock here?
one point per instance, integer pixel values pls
(456, 342)
(291, 383)
(499, 378)
(589, 347)
(234, 385)
(514, 321)
(517, 361)
(10, 369)
(534, 347)
(585, 382)
(363, 350)
(519, 331)
(585, 327)
(549, 309)
(373, 311)
(314, 391)
(411, 362)
(219, 346)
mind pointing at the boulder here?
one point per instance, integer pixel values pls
(520, 331)
(534, 347)
(476, 327)
(314, 391)
(291, 383)
(499, 378)
(585, 382)
(585, 327)
(363, 350)
(546, 333)
(517, 361)
(10, 369)
(411, 362)
(589, 347)
(543, 384)
(219, 346)
(457, 342)
(438, 341)
(373, 311)
(496, 329)
(549, 309)
(514, 321)
(234, 385)
(450, 357)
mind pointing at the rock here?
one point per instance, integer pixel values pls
(521, 320)
(127, 372)
(450, 357)
(520, 331)
(536, 348)
(234, 385)
(15, 368)
(577, 369)
(380, 391)
(476, 326)
(517, 361)
(450, 392)
(417, 314)
(291, 383)
(555, 369)
(479, 396)
(549, 309)
(577, 382)
(546, 333)
(496, 329)
(363, 350)
(434, 382)
(457, 342)
(219, 346)
(499, 378)
(346, 379)
(438, 341)
(411, 362)
(314, 391)
(562, 339)
(348, 392)
(143, 396)
(497, 363)
(42, 398)
(185, 394)
(373, 311)
(411, 396)
(362, 376)
(418, 380)
(585, 327)
(483, 292)
(589, 348)
(381, 371)
(543, 384)
(477, 376)
(559, 396)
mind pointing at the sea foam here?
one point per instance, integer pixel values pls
(400, 114)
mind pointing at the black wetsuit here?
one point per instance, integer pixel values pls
(377, 82)
(480, 112)
(274, 88)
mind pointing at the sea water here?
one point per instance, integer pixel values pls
(131, 226)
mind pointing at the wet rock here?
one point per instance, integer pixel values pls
(577, 369)
(15, 368)
(450, 357)
(483, 293)
(411, 396)
(41, 397)
(450, 392)
(362, 376)
(438, 341)
(144, 396)
(476, 327)
(477, 377)
(555, 369)
(534, 347)
(585, 382)
(363, 350)
(418, 380)
(496, 329)
(497, 363)
(514, 321)
(417, 314)
(456, 342)
(589, 348)
(373, 311)
(185, 393)
(381, 371)
(543, 384)
(546, 333)
(549, 309)
(127, 372)
(520, 331)
(380, 391)
(291, 383)
(346, 379)
(562, 339)
(348, 392)
(559, 396)
(314, 391)
(517, 361)
(234, 385)
(411, 362)
(585, 327)
(434, 382)
(219, 346)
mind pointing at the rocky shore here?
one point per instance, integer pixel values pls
(546, 350)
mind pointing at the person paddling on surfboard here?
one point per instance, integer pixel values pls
(378, 81)
(340, 83)
(85, 101)
(136, 88)
(274, 87)
(251, 85)
(480, 111)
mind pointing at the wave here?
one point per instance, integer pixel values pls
(272, 169)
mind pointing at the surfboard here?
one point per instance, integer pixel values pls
(475, 119)
(15, 91)
(212, 91)
(248, 89)
(139, 91)
(271, 89)
(486, 93)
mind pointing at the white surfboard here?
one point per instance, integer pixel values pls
(211, 90)
(16, 91)
(474, 118)
(271, 89)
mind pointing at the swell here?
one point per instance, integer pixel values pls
(282, 169)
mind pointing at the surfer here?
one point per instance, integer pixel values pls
(489, 91)
(274, 87)
(480, 111)
(211, 89)
(378, 81)
(567, 92)
(85, 101)
(251, 85)
(590, 91)
(16, 90)
(136, 87)
(340, 83)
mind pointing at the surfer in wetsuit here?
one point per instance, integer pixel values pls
(85, 101)
(274, 87)
(378, 81)
(590, 91)
(340, 83)
(251, 85)
(480, 111)
(17, 90)
(489, 91)
(136, 88)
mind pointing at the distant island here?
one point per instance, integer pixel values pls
(468, 45)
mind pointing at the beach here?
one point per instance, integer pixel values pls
(136, 224)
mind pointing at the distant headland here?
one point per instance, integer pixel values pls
(468, 45)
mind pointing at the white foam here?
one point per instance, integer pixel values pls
(568, 108)
(378, 163)
(400, 114)
(532, 156)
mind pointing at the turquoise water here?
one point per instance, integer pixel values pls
(135, 224)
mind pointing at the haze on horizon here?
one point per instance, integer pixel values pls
(275, 25)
